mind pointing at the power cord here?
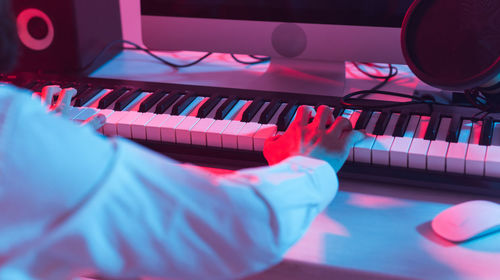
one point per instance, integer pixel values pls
(352, 99)
(166, 62)
(393, 72)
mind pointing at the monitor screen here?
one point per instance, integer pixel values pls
(387, 13)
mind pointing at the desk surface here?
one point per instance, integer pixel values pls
(369, 231)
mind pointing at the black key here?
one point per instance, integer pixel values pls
(269, 112)
(208, 106)
(286, 115)
(86, 96)
(338, 111)
(166, 102)
(401, 125)
(151, 100)
(486, 132)
(363, 120)
(183, 103)
(433, 127)
(226, 107)
(382, 122)
(125, 100)
(80, 88)
(111, 97)
(454, 130)
(252, 109)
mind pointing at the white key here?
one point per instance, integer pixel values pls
(202, 101)
(110, 126)
(183, 131)
(263, 133)
(275, 118)
(153, 127)
(383, 143)
(94, 102)
(436, 154)
(492, 161)
(138, 127)
(246, 134)
(136, 103)
(239, 115)
(353, 117)
(257, 116)
(230, 134)
(124, 125)
(417, 155)
(199, 131)
(455, 157)
(85, 114)
(237, 107)
(73, 112)
(107, 113)
(398, 155)
(214, 133)
(362, 150)
(168, 128)
(476, 154)
(193, 106)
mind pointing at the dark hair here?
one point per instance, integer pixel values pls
(8, 37)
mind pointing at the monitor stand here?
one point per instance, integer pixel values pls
(304, 76)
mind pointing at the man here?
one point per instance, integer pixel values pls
(74, 203)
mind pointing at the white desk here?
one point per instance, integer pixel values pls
(370, 231)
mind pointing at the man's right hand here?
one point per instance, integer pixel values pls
(324, 138)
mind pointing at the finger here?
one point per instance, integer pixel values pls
(353, 137)
(48, 93)
(323, 116)
(64, 100)
(304, 113)
(95, 122)
(339, 126)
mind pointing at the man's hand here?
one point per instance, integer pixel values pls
(62, 104)
(314, 139)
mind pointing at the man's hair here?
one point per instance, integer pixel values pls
(8, 37)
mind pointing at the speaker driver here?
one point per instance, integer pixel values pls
(35, 29)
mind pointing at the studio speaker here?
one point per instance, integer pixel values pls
(66, 36)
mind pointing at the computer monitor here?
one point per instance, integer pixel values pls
(308, 41)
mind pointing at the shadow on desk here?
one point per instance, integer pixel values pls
(291, 270)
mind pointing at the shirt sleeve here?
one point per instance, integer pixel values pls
(138, 213)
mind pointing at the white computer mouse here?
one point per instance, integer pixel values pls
(467, 220)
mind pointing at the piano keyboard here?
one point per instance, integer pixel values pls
(440, 147)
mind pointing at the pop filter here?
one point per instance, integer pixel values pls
(454, 44)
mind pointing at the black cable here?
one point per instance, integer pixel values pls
(111, 44)
(171, 64)
(349, 100)
(484, 103)
(259, 59)
(393, 71)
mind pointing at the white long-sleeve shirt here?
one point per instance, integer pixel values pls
(74, 203)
